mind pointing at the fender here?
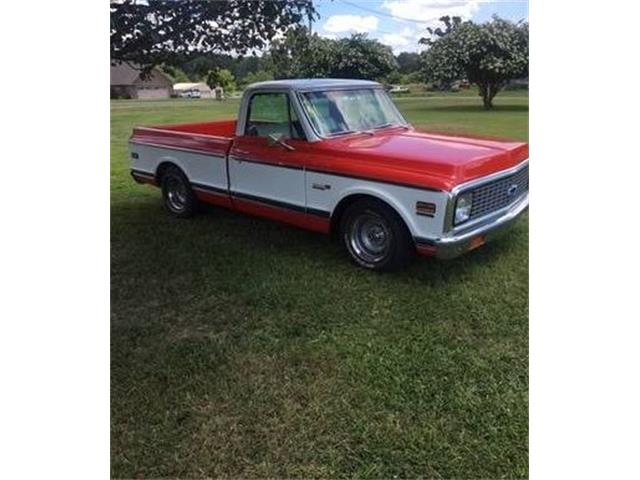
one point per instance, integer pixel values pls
(383, 195)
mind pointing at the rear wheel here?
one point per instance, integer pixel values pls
(176, 191)
(375, 236)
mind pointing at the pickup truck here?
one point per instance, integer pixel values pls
(336, 157)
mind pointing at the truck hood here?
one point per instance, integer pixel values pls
(429, 159)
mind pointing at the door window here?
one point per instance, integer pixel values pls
(271, 113)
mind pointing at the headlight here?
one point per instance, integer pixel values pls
(463, 208)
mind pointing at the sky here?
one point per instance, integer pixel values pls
(401, 23)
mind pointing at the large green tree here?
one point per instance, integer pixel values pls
(302, 55)
(299, 54)
(488, 55)
(362, 57)
(221, 77)
(165, 31)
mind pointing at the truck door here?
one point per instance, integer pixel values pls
(265, 177)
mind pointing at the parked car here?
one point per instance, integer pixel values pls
(398, 89)
(336, 156)
(191, 94)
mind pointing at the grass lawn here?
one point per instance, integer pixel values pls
(245, 348)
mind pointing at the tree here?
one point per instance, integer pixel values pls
(299, 54)
(488, 54)
(247, 65)
(408, 62)
(364, 58)
(302, 55)
(259, 76)
(163, 31)
(450, 24)
(221, 77)
(198, 67)
(176, 73)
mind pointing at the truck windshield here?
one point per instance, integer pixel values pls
(338, 112)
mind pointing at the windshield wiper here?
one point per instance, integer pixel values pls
(347, 132)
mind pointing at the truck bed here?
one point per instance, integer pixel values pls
(214, 138)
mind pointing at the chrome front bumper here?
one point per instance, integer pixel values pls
(462, 241)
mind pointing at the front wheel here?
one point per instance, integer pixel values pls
(375, 236)
(176, 191)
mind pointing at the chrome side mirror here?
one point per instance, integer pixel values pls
(278, 139)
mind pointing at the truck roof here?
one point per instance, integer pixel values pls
(313, 84)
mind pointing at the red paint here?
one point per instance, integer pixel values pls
(253, 148)
(213, 138)
(426, 250)
(299, 219)
(214, 198)
(414, 158)
(421, 159)
(144, 178)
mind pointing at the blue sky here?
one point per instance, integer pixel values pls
(401, 23)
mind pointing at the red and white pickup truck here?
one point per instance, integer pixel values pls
(337, 156)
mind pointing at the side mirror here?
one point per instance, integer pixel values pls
(278, 139)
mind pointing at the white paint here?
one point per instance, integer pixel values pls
(402, 199)
(267, 181)
(198, 167)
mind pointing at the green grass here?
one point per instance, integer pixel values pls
(245, 348)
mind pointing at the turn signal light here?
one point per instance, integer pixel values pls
(476, 242)
(426, 208)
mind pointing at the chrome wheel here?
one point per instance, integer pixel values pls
(176, 194)
(369, 238)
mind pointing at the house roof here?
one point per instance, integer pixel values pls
(127, 74)
(315, 84)
(123, 74)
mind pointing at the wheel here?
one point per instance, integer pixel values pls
(176, 191)
(375, 236)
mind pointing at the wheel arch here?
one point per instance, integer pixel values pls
(162, 167)
(352, 197)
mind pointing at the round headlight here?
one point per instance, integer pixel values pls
(463, 208)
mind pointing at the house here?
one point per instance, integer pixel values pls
(185, 89)
(127, 83)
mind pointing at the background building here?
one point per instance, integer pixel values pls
(182, 89)
(127, 83)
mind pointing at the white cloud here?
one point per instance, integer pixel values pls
(403, 40)
(429, 11)
(351, 23)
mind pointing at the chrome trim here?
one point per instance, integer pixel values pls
(452, 246)
(489, 178)
(453, 195)
(182, 149)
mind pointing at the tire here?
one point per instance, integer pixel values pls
(178, 197)
(375, 237)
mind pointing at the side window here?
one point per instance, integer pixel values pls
(270, 113)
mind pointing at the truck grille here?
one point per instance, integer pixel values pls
(499, 193)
